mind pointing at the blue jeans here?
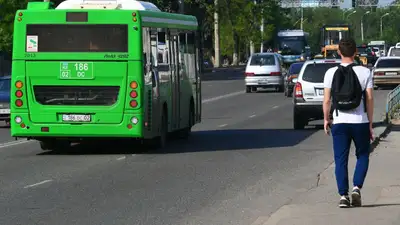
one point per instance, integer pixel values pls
(342, 135)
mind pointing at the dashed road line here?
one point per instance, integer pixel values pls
(121, 158)
(222, 97)
(12, 143)
(275, 107)
(223, 125)
(252, 116)
(37, 184)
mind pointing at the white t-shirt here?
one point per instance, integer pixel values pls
(357, 115)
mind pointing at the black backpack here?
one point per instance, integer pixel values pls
(346, 90)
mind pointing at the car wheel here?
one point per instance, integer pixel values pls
(248, 89)
(299, 122)
(281, 88)
(290, 93)
(254, 89)
(285, 92)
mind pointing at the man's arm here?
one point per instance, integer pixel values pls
(326, 105)
(369, 97)
(370, 105)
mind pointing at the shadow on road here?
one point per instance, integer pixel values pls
(202, 141)
(381, 205)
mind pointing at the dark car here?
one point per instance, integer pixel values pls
(294, 71)
(5, 85)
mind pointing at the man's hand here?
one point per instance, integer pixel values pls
(371, 132)
(327, 124)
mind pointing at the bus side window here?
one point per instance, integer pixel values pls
(190, 55)
(146, 51)
(163, 56)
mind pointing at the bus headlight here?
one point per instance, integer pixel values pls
(134, 120)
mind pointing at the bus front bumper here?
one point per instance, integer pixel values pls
(28, 129)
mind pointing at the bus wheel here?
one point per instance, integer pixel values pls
(185, 132)
(55, 145)
(162, 142)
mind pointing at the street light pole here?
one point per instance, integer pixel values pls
(347, 17)
(362, 25)
(386, 14)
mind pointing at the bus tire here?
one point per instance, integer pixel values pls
(55, 145)
(161, 141)
(185, 132)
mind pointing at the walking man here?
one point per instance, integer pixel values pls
(351, 88)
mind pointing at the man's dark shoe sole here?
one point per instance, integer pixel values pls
(355, 199)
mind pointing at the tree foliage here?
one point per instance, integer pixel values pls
(240, 22)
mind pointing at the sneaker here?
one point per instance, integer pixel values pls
(356, 197)
(344, 202)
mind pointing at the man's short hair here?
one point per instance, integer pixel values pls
(347, 46)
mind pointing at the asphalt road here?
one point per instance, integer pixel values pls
(243, 161)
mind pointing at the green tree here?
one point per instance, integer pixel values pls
(7, 13)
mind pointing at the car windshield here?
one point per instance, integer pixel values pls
(315, 72)
(5, 85)
(388, 63)
(295, 68)
(262, 60)
(395, 52)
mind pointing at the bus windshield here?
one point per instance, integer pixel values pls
(5, 85)
(292, 45)
(80, 38)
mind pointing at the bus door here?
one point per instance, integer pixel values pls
(175, 79)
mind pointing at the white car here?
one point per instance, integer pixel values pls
(394, 50)
(308, 92)
(264, 70)
(386, 71)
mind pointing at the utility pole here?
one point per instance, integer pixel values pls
(386, 14)
(262, 28)
(252, 49)
(181, 6)
(302, 18)
(217, 61)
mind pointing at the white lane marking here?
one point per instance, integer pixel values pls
(252, 116)
(222, 97)
(223, 125)
(12, 143)
(275, 107)
(121, 158)
(37, 184)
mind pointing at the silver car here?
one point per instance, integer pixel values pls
(264, 70)
(386, 71)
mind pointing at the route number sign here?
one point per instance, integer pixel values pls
(76, 70)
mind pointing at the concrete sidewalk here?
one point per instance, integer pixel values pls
(381, 194)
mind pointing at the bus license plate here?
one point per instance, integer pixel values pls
(4, 111)
(320, 91)
(76, 118)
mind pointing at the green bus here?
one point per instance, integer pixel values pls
(104, 69)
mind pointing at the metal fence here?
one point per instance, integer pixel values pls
(393, 103)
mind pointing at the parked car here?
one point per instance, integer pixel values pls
(386, 71)
(294, 71)
(264, 70)
(309, 91)
(5, 85)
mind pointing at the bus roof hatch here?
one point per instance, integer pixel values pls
(108, 4)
